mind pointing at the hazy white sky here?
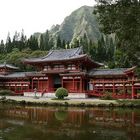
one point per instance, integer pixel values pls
(35, 15)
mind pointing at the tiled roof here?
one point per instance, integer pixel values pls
(58, 55)
(15, 75)
(107, 72)
(8, 66)
(74, 54)
(20, 75)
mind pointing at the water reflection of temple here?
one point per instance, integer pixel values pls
(75, 122)
(76, 116)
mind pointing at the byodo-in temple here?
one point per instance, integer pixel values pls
(73, 70)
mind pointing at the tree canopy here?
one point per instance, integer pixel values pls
(122, 18)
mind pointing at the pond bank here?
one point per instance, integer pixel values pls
(88, 102)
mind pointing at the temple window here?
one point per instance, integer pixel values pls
(58, 67)
(47, 68)
(71, 67)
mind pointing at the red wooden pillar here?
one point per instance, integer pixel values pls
(133, 91)
(124, 90)
(38, 86)
(15, 87)
(62, 81)
(114, 89)
(48, 86)
(93, 88)
(28, 86)
(73, 84)
(103, 87)
(41, 87)
(21, 90)
(81, 84)
(32, 83)
(50, 83)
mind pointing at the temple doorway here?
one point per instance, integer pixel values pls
(57, 81)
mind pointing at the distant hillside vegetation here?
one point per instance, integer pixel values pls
(81, 22)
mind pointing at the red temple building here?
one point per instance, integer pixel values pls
(73, 70)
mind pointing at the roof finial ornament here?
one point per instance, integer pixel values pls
(5, 63)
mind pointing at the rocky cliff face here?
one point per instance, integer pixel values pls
(81, 21)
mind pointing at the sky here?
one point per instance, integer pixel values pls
(35, 15)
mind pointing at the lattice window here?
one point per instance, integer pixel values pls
(71, 67)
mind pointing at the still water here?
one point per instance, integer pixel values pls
(53, 123)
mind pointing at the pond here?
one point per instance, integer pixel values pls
(61, 123)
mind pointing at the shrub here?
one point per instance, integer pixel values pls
(6, 92)
(107, 96)
(61, 93)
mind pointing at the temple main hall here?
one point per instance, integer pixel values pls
(73, 70)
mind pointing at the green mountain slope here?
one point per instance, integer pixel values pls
(80, 22)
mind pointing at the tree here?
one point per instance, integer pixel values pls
(58, 42)
(47, 45)
(64, 44)
(22, 41)
(41, 42)
(8, 44)
(32, 43)
(75, 43)
(122, 17)
(16, 39)
(101, 50)
(2, 47)
(85, 43)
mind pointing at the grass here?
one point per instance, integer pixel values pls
(133, 102)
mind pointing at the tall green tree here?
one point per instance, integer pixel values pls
(2, 47)
(122, 17)
(41, 42)
(47, 45)
(85, 43)
(32, 43)
(75, 43)
(101, 50)
(16, 40)
(59, 42)
(8, 45)
(22, 41)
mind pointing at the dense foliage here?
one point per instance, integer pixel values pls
(61, 93)
(6, 92)
(18, 48)
(122, 18)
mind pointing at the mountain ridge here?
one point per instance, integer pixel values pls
(80, 22)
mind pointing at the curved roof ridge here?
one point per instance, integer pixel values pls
(130, 69)
(4, 65)
(78, 49)
(50, 52)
